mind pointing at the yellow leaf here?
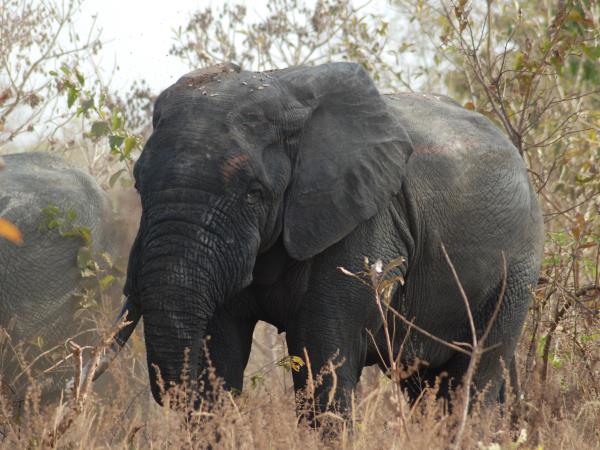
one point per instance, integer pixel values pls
(10, 232)
(296, 363)
(470, 105)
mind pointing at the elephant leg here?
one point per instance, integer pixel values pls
(335, 361)
(513, 378)
(449, 376)
(428, 378)
(500, 344)
(227, 349)
(504, 335)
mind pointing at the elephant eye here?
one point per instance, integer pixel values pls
(253, 196)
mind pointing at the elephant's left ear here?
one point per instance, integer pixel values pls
(352, 154)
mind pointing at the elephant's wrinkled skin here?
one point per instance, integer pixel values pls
(39, 278)
(256, 187)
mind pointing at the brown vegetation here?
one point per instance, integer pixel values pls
(532, 67)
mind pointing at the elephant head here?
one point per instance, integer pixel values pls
(236, 161)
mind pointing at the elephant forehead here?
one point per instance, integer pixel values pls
(207, 166)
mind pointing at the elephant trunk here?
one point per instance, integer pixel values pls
(181, 277)
(174, 335)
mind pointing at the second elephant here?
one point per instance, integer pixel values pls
(38, 280)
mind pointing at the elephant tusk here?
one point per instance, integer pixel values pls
(131, 313)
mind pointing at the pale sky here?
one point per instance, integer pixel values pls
(138, 35)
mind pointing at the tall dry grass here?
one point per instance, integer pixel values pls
(559, 408)
(120, 413)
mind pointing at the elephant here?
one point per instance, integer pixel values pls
(54, 206)
(257, 187)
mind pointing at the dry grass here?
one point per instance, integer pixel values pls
(561, 412)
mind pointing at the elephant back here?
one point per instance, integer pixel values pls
(440, 127)
(54, 206)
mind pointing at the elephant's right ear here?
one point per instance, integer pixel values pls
(350, 157)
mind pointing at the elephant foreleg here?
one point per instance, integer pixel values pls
(333, 364)
(227, 349)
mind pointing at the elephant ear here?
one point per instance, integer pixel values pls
(351, 156)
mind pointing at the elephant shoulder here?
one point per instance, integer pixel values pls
(438, 125)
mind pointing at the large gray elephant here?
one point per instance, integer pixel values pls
(54, 205)
(256, 187)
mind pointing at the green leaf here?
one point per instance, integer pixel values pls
(80, 77)
(257, 380)
(115, 176)
(590, 72)
(100, 128)
(541, 345)
(71, 215)
(53, 73)
(85, 234)
(587, 338)
(69, 84)
(592, 52)
(519, 61)
(54, 223)
(79, 232)
(116, 120)
(573, 66)
(130, 143)
(115, 141)
(72, 95)
(106, 281)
